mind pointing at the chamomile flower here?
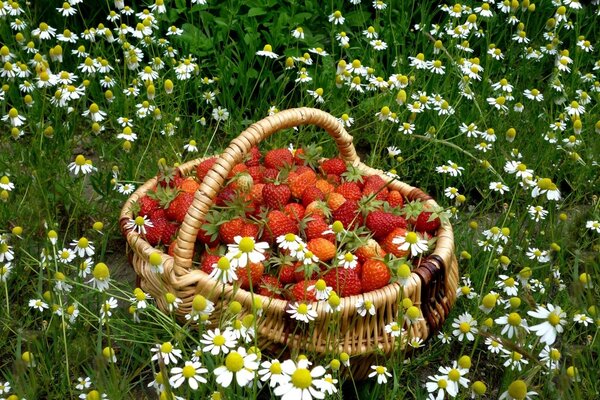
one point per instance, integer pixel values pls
(395, 330)
(381, 373)
(38, 304)
(139, 224)
(246, 251)
(65, 256)
(537, 213)
(220, 114)
(224, 271)
(547, 187)
(411, 242)
(106, 307)
(217, 342)
(271, 371)
(517, 390)
(192, 371)
(239, 365)
(165, 353)
(365, 306)
(593, 225)
(201, 307)
(267, 51)
(493, 345)
(534, 253)
(100, 277)
(465, 327)
(6, 184)
(83, 247)
(337, 18)
(347, 260)
(301, 381)
(582, 319)
(302, 312)
(513, 324)
(554, 318)
(514, 360)
(81, 166)
(321, 289)
(298, 33)
(499, 187)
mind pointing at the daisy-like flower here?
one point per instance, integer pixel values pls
(415, 342)
(465, 327)
(139, 224)
(140, 298)
(513, 323)
(440, 384)
(346, 120)
(593, 225)
(514, 360)
(100, 277)
(550, 357)
(173, 301)
(83, 383)
(6, 184)
(44, 31)
(6, 252)
(333, 303)
(83, 247)
(191, 146)
(337, 18)
(217, 342)
(5, 269)
(575, 109)
(246, 251)
(317, 95)
(166, 353)
(302, 312)
(517, 390)
(554, 318)
(239, 365)
(379, 45)
(579, 319)
(547, 187)
(192, 371)
(201, 306)
(509, 285)
(85, 267)
(499, 187)
(537, 213)
(220, 114)
(80, 166)
(224, 271)
(494, 346)
(498, 103)
(394, 329)
(267, 51)
(290, 242)
(381, 373)
(15, 118)
(271, 371)
(347, 260)
(298, 33)
(301, 382)
(542, 256)
(455, 376)
(412, 315)
(105, 309)
(38, 304)
(321, 289)
(365, 306)
(411, 242)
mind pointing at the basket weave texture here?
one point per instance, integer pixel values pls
(431, 287)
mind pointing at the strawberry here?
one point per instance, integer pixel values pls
(147, 204)
(315, 228)
(324, 186)
(231, 229)
(254, 157)
(168, 176)
(371, 249)
(322, 248)
(348, 214)
(270, 287)
(208, 262)
(426, 223)
(299, 181)
(276, 196)
(278, 158)
(382, 223)
(395, 199)
(172, 247)
(154, 233)
(278, 223)
(295, 211)
(250, 230)
(333, 166)
(286, 274)
(390, 247)
(189, 185)
(169, 232)
(237, 169)
(226, 195)
(300, 293)
(318, 208)
(300, 272)
(335, 200)
(375, 184)
(311, 194)
(299, 157)
(350, 191)
(179, 206)
(205, 238)
(157, 214)
(256, 172)
(375, 275)
(345, 282)
(249, 276)
(205, 166)
(269, 175)
(256, 192)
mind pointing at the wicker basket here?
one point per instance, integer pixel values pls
(432, 286)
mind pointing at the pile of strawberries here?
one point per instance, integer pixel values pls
(298, 193)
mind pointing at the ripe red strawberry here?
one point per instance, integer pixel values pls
(315, 228)
(310, 194)
(179, 206)
(269, 175)
(231, 229)
(147, 205)
(322, 248)
(237, 169)
(254, 157)
(154, 233)
(382, 223)
(250, 276)
(298, 157)
(169, 177)
(276, 196)
(299, 291)
(375, 275)
(270, 287)
(375, 184)
(286, 274)
(206, 239)
(295, 211)
(226, 195)
(250, 230)
(348, 214)
(278, 223)
(169, 232)
(350, 190)
(157, 214)
(278, 158)
(256, 172)
(371, 249)
(391, 247)
(395, 199)
(333, 166)
(345, 282)
(205, 166)
(299, 181)
(423, 223)
(208, 261)
(189, 185)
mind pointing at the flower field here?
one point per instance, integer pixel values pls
(491, 107)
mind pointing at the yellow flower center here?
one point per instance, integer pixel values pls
(413, 312)
(320, 285)
(188, 371)
(454, 375)
(464, 327)
(275, 368)
(199, 303)
(442, 384)
(234, 361)
(302, 309)
(219, 340)
(301, 378)
(554, 319)
(514, 319)
(412, 238)
(223, 264)
(101, 272)
(517, 390)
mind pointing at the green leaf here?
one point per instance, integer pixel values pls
(255, 11)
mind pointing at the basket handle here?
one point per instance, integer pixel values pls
(234, 154)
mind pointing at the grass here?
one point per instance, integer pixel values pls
(544, 46)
